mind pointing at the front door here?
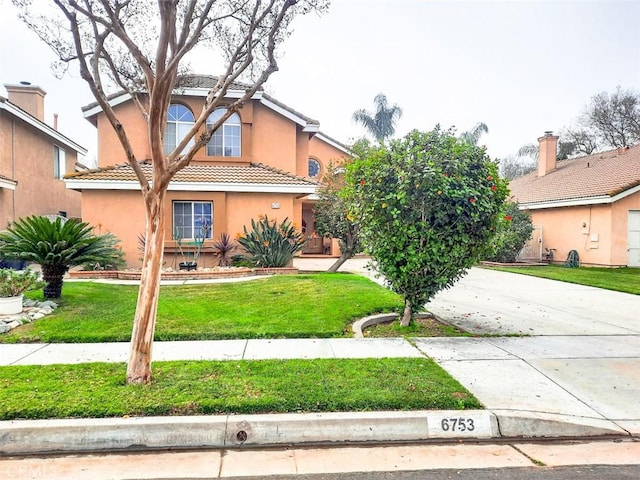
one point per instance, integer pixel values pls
(633, 239)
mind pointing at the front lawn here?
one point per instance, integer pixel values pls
(286, 306)
(620, 279)
(204, 387)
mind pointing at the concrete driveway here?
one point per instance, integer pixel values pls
(580, 360)
(488, 301)
(575, 365)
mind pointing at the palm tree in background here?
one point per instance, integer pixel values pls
(472, 137)
(380, 124)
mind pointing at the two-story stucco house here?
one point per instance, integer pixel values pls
(589, 204)
(264, 160)
(34, 157)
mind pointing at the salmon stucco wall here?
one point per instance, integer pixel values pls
(273, 139)
(110, 151)
(120, 212)
(243, 207)
(27, 156)
(325, 153)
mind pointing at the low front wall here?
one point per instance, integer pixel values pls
(181, 275)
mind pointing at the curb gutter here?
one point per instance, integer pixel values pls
(28, 437)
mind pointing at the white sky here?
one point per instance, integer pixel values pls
(522, 67)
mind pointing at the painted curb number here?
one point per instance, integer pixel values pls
(460, 424)
(452, 424)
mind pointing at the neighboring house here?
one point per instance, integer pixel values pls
(264, 160)
(34, 157)
(589, 204)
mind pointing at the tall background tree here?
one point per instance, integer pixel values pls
(473, 136)
(610, 120)
(382, 123)
(427, 207)
(614, 117)
(141, 47)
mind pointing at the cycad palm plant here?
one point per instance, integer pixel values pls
(57, 245)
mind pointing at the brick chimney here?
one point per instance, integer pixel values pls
(29, 98)
(548, 153)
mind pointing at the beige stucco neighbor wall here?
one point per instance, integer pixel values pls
(584, 229)
(620, 227)
(27, 156)
(597, 232)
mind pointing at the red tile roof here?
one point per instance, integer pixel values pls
(603, 174)
(253, 174)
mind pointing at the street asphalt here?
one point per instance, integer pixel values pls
(576, 373)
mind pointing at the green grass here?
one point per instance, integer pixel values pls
(204, 387)
(619, 279)
(296, 306)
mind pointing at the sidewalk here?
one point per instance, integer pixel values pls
(582, 384)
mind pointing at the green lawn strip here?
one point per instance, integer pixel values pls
(286, 306)
(625, 280)
(205, 387)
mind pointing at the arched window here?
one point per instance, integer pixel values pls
(226, 140)
(314, 167)
(179, 122)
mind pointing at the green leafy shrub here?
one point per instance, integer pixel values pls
(427, 207)
(14, 283)
(512, 232)
(270, 244)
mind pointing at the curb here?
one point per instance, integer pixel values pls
(30, 437)
(365, 322)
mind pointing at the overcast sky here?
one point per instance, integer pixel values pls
(522, 67)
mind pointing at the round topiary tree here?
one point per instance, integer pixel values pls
(427, 207)
(57, 245)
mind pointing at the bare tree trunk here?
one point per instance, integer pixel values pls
(139, 366)
(406, 316)
(339, 262)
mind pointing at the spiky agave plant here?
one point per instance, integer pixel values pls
(270, 244)
(57, 245)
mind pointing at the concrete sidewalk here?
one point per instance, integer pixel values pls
(578, 375)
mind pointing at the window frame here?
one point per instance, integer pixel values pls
(181, 127)
(59, 162)
(317, 162)
(193, 223)
(230, 130)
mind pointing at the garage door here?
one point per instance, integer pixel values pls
(634, 239)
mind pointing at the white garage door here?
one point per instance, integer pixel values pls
(634, 239)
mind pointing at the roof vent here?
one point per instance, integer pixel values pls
(548, 133)
(25, 83)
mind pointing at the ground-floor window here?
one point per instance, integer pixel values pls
(192, 220)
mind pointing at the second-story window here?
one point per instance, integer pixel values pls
(59, 162)
(179, 121)
(226, 140)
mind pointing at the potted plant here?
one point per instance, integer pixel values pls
(12, 285)
(189, 256)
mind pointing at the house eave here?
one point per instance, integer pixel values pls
(73, 184)
(579, 202)
(325, 139)
(42, 127)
